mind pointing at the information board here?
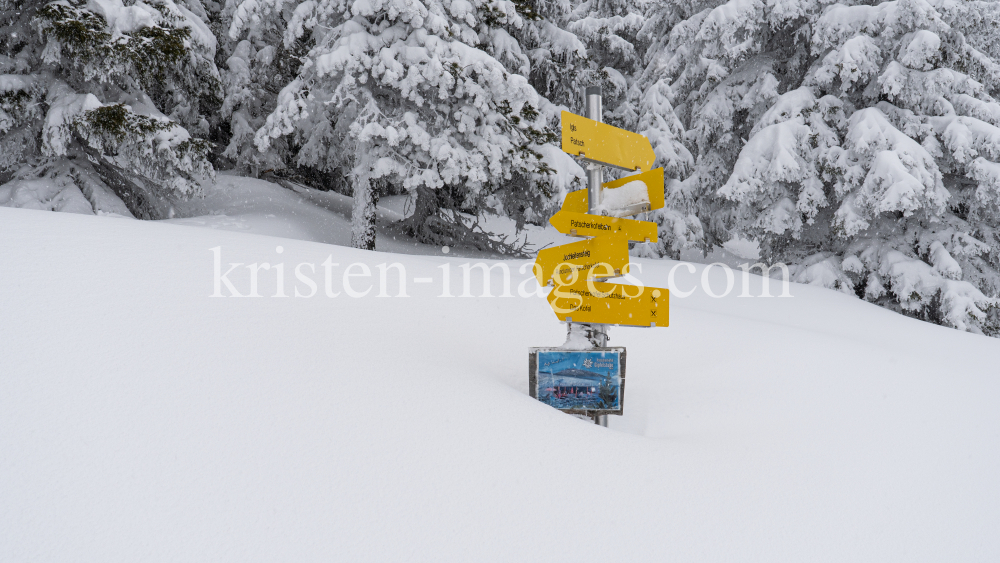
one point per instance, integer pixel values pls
(589, 382)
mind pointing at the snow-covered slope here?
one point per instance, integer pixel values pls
(247, 205)
(143, 420)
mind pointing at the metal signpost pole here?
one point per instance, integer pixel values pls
(597, 333)
(595, 176)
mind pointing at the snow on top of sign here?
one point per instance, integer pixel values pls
(14, 82)
(615, 201)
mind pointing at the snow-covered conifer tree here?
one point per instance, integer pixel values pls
(606, 43)
(417, 94)
(610, 30)
(102, 104)
(258, 65)
(678, 223)
(647, 107)
(858, 142)
(720, 66)
(557, 64)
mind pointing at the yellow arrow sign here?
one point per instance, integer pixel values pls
(584, 225)
(622, 204)
(611, 303)
(605, 144)
(601, 257)
(575, 202)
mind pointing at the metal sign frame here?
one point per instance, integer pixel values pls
(536, 379)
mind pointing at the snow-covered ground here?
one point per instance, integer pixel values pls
(240, 204)
(248, 205)
(143, 420)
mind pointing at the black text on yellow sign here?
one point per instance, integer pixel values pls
(584, 225)
(605, 144)
(600, 257)
(587, 301)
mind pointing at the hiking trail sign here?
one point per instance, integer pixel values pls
(586, 225)
(585, 376)
(581, 257)
(575, 268)
(605, 144)
(589, 301)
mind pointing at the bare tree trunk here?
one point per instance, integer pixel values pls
(363, 214)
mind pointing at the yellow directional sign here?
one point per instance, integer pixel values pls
(605, 144)
(577, 201)
(611, 303)
(601, 257)
(584, 225)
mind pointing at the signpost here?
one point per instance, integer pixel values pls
(575, 202)
(586, 225)
(604, 144)
(610, 253)
(587, 301)
(567, 378)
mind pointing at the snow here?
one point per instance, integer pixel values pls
(65, 106)
(725, 21)
(562, 42)
(199, 30)
(14, 82)
(943, 263)
(742, 248)
(823, 270)
(923, 49)
(790, 106)
(986, 111)
(142, 419)
(567, 175)
(438, 112)
(988, 175)
(967, 138)
(45, 195)
(124, 19)
(841, 22)
(902, 174)
(623, 199)
(246, 205)
(899, 188)
(858, 58)
(774, 157)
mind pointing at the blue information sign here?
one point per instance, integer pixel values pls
(578, 381)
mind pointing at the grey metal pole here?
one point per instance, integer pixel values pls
(595, 175)
(598, 333)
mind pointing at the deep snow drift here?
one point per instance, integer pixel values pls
(248, 205)
(143, 420)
